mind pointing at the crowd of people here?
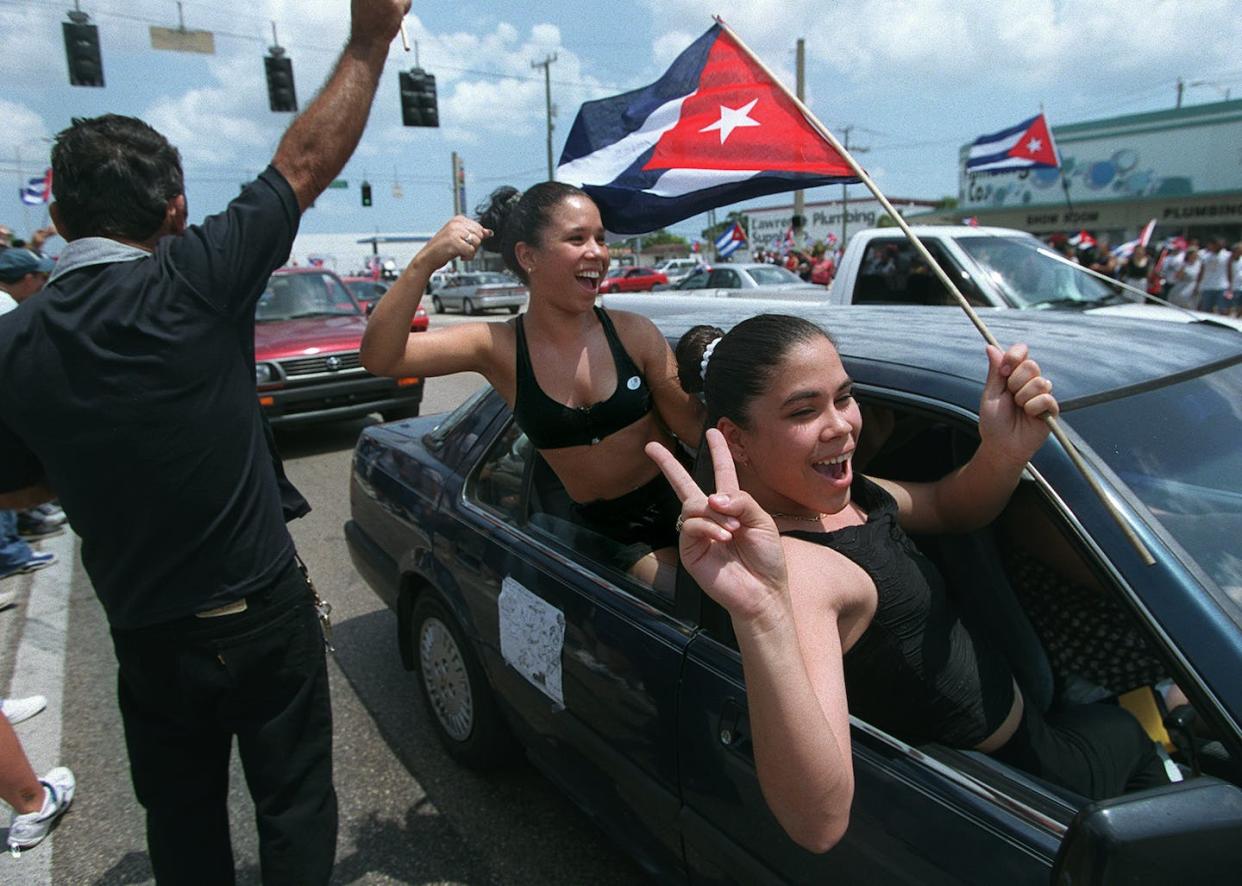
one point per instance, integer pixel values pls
(1199, 276)
(215, 623)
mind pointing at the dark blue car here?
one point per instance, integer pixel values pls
(632, 699)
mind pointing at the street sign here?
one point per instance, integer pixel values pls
(338, 185)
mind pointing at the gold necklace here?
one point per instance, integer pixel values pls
(814, 519)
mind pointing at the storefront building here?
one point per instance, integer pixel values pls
(1182, 167)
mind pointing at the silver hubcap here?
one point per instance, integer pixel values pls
(446, 680)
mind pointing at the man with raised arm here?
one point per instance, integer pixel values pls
(127, 390)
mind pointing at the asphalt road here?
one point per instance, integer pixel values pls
(408, 813)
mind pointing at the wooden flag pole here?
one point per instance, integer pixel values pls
(1053, 425)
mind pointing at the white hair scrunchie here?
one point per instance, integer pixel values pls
(707, 355)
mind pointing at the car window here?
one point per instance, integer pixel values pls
(295, 296)
(1178, 448)
(1031, 279)
(771, 275)
(613, 273)
(1026, 586)
(893, 273)
(697, 280)
(724, 278)
(514, 483)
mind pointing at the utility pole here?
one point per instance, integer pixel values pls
(546, 64)
(800, 91)
(1181, 87)
(845, 194)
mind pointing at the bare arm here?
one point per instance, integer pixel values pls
(802, 754)
(388, 348)
(1011, 428)
(317, 144)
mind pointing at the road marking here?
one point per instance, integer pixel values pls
(39, 669)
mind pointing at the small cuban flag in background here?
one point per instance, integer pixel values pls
(733, 239)
(715, 129)
(37, 190)
(1028, 145)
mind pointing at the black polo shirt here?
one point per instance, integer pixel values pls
(129, 388)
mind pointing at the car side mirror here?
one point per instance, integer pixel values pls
(1190, 832)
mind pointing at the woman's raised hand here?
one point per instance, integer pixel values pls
(728, 543)
(1015, 399)
(459, 238)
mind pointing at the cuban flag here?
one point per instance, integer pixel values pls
(715, 129)
(37, 190)
(733, 239)
(1028, 145)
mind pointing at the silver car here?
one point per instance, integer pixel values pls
(478, 291)
(745, 275)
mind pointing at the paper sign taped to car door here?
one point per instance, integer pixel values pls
(532, 635)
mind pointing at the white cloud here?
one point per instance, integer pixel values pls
(23, 134)
(1018, 43)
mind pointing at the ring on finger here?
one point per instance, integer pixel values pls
(681, 521)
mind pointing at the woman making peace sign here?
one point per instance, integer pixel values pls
(834, 608)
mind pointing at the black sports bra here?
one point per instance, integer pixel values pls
(552, 425)
(916, 671)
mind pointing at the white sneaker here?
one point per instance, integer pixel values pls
(18, 709)
(27, 831)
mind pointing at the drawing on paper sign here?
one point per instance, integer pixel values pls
(532, 635)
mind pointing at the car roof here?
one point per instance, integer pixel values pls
(1084, 356)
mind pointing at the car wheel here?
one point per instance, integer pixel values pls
(513, 309)
(437, 304)
(467, 306)
(464, 711)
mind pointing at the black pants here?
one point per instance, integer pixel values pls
(1096, 750)
(186, 688)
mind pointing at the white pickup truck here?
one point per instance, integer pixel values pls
(993, 268)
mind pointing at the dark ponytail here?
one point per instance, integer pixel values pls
(742, 364)
(515, 217)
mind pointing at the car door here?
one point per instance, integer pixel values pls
(724, 278)
(587, 657)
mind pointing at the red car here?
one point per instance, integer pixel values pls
(631, 280)
(307, 334)
(368, 290)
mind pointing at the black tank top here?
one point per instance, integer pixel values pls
(552, 425)
(916, 672)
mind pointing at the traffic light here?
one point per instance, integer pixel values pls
(82, 51)
(418, 98)
(366, 193)
(281, 94)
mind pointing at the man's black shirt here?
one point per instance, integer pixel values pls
(129, 388)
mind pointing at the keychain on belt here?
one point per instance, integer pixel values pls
(322, 607)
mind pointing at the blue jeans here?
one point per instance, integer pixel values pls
(1211, 299)
(13, 551)
(188, 687)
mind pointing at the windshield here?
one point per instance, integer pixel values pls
(290, 296)
(1030, 279)
(771, 275)
(488, 277)
(615, 272)
(1177, 447)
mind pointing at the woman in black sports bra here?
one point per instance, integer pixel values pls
(834, 609)
(588, 387)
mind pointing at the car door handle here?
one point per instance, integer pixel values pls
(731, 730)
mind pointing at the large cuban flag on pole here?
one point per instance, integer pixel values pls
(1028, 145)
(37, 190)
(715, 129)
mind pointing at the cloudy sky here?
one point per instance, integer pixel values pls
(913, 80)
